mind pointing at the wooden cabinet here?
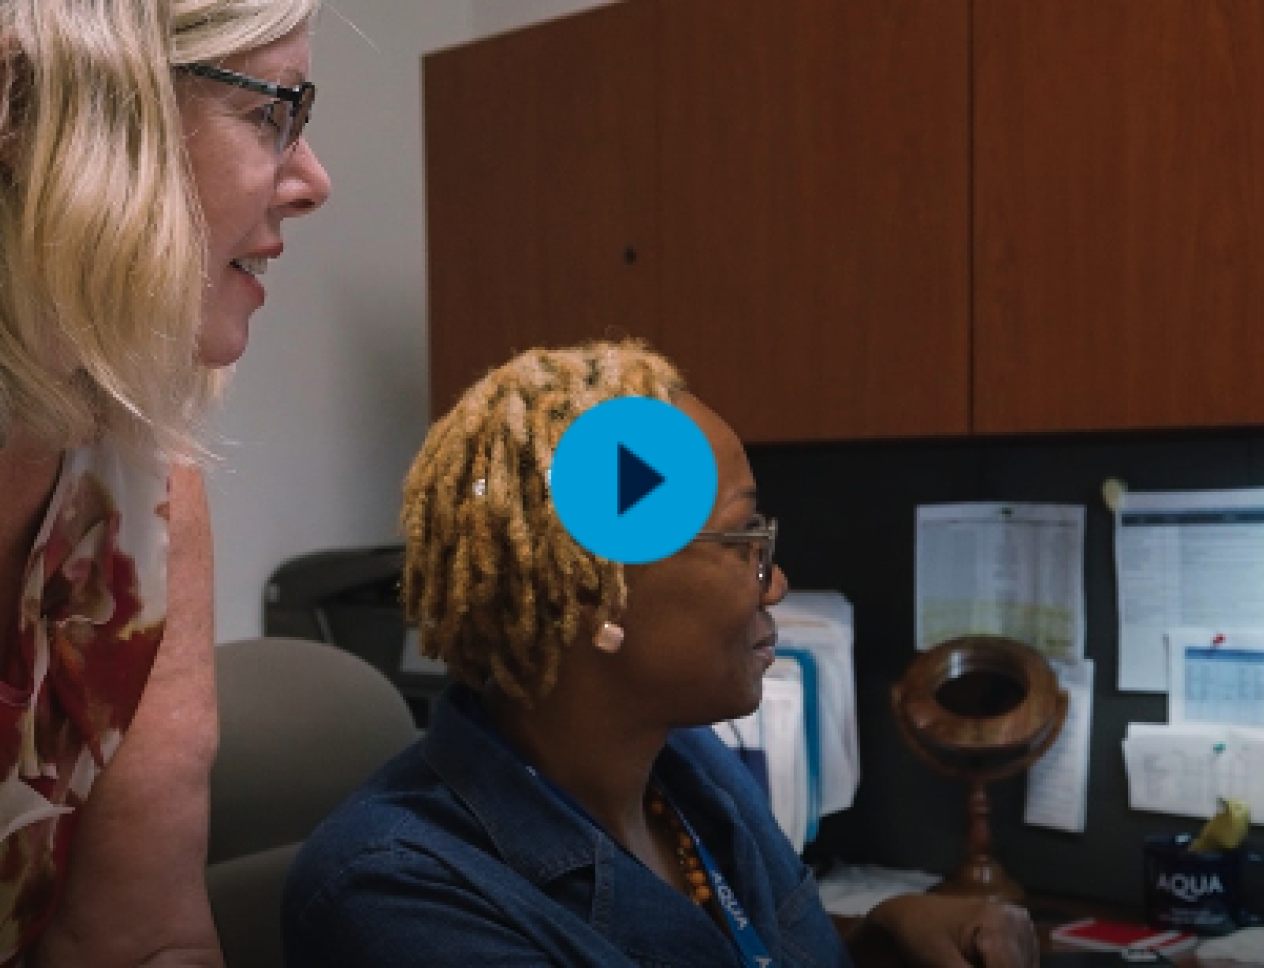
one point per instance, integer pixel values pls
(774, 194)
(1119, 214)
(867, 218)
(814, 213)
(541, 204)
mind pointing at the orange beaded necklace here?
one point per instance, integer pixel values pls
(686, 853)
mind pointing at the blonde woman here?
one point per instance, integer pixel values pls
(150, 153)
(562, 810)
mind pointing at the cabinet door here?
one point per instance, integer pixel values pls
(1119, 191)
(814, 213)
(540, 191)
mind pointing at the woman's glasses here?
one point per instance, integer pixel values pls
(762, 535)
(298, 100)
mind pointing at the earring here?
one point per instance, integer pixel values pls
(609, 638)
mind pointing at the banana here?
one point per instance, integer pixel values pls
(1227, 828)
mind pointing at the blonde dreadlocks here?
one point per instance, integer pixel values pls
(497, 585)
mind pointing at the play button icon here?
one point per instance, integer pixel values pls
(636, 479)
(633, 479)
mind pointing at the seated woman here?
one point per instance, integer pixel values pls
(562, 809)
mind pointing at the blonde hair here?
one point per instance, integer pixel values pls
(102, 246)
(206, 31)
(491, 575)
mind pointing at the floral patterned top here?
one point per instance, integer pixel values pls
(94, 605)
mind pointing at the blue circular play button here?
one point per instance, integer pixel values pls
(633, 479)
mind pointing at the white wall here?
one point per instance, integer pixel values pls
(329, 404)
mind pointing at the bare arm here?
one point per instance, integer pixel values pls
(936, 931)
(136, 891)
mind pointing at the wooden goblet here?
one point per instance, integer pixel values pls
(979, 708)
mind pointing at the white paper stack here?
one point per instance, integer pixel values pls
(803, 736)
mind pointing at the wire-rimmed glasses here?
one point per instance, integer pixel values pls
(762, 535)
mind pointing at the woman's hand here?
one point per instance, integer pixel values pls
(937, 931)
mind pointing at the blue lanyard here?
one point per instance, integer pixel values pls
(749, 945)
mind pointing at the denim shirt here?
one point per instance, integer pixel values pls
(455, 854)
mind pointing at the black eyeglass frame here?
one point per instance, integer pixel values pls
(764, 536)
(300, 98)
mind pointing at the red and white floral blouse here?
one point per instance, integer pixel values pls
(93, 610)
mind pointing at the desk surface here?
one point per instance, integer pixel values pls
(1050, 912)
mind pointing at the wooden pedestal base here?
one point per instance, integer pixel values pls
(981, 877)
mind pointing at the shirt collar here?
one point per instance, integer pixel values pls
(543, 839)
(536, 833)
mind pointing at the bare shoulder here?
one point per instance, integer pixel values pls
(191, 562)
(135, 890)
(184, 672)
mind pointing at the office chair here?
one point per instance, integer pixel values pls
(302, 724)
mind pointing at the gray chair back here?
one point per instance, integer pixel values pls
(302, 724)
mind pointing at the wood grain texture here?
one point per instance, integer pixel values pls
(815, 214)
(540, 149)
(1119, 261)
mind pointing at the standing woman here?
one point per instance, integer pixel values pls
(150, 151)
(561, 809)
